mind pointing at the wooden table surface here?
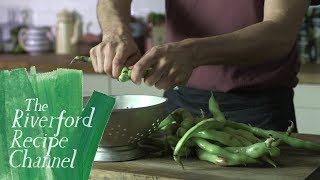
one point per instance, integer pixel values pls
(292, 164)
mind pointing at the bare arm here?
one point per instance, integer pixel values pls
(118, 47)
(114, 15)
(271, 39)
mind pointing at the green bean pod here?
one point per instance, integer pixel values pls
(274, 151)
(187, 123)
(288, 133)
(181, 131)
(255, 151)
(185, 151)
(290, 128)
(85, 59)
(201, 126)
(265, 157)
(170, 129)
(202, 113)
(215, 109)
(201, 117)
(168, 120)
(221, 161)
(248, 135)
(294, 142)
(233, 158)
(125, 75)
(173, 140)
(177, 114)
(219, 136)
(235, 134)
(186, 114)
(174, 117)
(206, 156)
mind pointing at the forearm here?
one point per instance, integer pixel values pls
(114, 15)
(269, 40)
(254, 44)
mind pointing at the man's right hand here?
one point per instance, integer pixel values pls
(113, 53)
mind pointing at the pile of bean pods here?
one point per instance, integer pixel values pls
(224, 142)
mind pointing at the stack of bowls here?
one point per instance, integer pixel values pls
(36, 40)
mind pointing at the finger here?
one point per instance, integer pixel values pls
(152, 77)
(133, 59)
(100, 58)
(165, 83)
(177, 78)
(107, 66)
(142, 65)
(118, 62)
(93, 57)
(155, 74)
(170, 81)
(173, 72)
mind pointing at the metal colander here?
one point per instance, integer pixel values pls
(133, 118)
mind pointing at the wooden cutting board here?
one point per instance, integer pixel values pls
(292, 164)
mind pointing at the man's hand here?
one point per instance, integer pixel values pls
(117, 48)
(113, 53)
(170, 64)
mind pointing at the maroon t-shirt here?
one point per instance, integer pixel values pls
(204, 18)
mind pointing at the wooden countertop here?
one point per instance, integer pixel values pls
(309, 73)
(293, 164)
(43, 63)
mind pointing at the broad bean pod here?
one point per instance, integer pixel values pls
(219, 136)
(294, 142)
(233, 158)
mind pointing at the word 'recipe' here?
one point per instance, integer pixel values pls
(21, 144)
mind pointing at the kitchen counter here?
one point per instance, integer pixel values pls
(309, 73)
(43, 63)
(292, 164)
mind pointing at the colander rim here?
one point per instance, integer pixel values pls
(136, 108)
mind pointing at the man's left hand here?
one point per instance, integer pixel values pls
(168, 65)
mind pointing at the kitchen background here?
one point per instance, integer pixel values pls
(57, 39)
(44, 11)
